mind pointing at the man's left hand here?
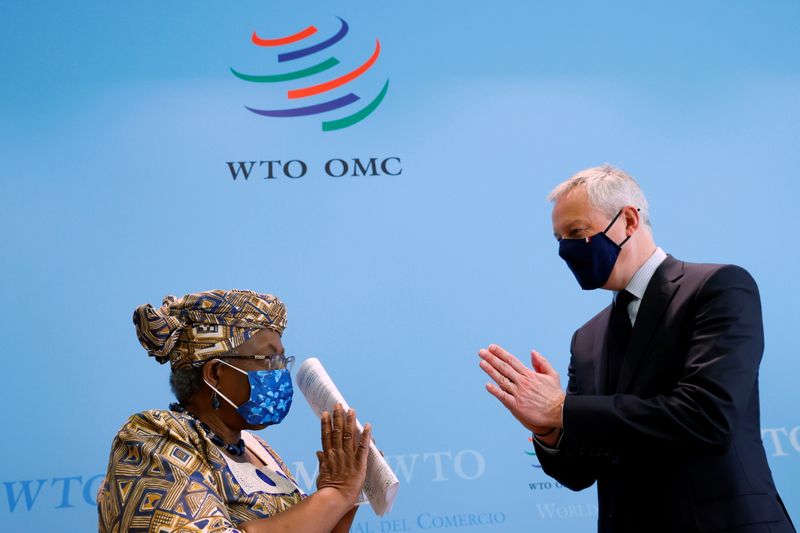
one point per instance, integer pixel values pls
(534, 397)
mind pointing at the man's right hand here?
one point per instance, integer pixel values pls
(534, 396)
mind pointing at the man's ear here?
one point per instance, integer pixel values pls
(632, 219)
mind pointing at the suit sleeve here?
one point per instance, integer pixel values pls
(701, 412)
(572, 469)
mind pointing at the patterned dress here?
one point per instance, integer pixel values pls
(165, 475)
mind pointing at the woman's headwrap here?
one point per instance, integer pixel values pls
(205, 325)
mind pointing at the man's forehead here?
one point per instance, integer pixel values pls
(573, 210)
(573, 205)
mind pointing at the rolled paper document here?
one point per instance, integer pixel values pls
(321, 394)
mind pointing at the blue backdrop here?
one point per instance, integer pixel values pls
(119, 122)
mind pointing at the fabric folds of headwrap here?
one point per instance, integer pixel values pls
(204, 325)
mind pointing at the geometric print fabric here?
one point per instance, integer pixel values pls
(203, 325)
(164, 474)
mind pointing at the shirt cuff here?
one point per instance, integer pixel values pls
(547, 449)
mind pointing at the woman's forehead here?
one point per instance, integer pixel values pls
(265, 342)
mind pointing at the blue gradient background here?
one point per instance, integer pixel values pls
(117, 121)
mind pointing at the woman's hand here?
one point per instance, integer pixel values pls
(342, 470)
(343, 459)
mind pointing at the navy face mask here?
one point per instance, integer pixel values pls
(592, 259)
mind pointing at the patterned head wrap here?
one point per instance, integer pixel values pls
(204, 325)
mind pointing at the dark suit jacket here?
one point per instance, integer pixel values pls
(676, 446)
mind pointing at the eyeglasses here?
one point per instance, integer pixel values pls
(274, 362)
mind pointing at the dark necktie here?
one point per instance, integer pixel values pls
(619, 335)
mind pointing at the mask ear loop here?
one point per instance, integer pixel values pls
(216, 391)
(612, 223)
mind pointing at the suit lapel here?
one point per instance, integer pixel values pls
(660, 291)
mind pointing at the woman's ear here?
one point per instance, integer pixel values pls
(211, 372)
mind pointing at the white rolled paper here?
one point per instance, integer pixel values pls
(321, 394)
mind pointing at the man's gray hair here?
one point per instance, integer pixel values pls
(609, 189)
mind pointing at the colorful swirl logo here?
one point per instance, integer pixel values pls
(317, 88)
(532, 454)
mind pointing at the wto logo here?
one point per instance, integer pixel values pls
(532, 454)
(307, 89)
(539, 486)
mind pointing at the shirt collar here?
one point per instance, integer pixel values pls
(638, 283)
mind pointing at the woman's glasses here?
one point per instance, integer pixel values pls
(273, 362)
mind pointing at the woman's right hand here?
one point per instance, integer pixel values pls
(343, 459)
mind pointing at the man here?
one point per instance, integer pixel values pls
(661, 407)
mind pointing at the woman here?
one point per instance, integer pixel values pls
(195, 467)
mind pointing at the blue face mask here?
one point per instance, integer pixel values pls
(270, 396)
(592, 259)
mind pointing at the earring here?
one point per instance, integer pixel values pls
(215, 400)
